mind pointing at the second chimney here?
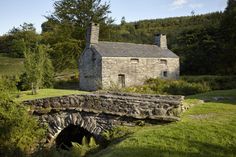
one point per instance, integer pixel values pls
(161, 41)
(92, 35)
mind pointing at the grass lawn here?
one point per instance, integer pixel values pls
(43, 93)
(205, 130)
(9, 66)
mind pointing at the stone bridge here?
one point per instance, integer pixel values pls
(99, 112)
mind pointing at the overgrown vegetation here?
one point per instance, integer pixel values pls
(20, 133)
(174, 87)
(187, 85)
(77, 150)
(214, 82)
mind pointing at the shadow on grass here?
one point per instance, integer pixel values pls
(218, 96)
(216, 99)
(198, 150)
(11, 151)
(70, 85)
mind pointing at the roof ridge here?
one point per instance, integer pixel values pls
(126, 43)
(122, 49)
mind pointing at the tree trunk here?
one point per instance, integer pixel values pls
(33, 88)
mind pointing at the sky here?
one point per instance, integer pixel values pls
(14, 13)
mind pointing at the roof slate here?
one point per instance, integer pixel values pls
(119, 49)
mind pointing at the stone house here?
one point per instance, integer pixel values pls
(104, 64)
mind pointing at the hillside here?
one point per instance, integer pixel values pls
(10, 66)
(143, 31)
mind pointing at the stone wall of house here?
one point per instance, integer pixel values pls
(90, 70)
(137, 70)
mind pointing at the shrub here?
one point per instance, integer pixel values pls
(184, 88)
(19, 131)
(214, 82)
(175, 87)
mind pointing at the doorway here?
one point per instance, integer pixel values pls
(121, 80)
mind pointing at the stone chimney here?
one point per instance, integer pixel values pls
(92, 35)
(161, 41)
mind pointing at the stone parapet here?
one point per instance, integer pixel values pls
(156, 107)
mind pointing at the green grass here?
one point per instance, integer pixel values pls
(43, 93)
(205, 130)
(10, 66)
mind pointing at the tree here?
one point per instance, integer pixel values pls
(79, 13)
(122, 22)
(228, 41)
(18, 39)
(38, 67)
(66, 54)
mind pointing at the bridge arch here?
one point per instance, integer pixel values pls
(57, 122)
(72, 133)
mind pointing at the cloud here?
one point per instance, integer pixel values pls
(196, 5)
(179, 3)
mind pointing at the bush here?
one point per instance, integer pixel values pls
(175, 87)
(214, 82)
(184, 88)
(8, 85)
(20, 133)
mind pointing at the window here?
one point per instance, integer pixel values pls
(134, 60)
(165, 74)
(164, 61)
(121, 80)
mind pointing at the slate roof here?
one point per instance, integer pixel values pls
(119, 49)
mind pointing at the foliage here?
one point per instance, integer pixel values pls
(8, 85)
(116, 133)
(175, 87)
(38, 68)
(184, 88)
(66, 54)
(79, 13)
(85, 147)
(214, 82)
(228, 26)
(77, 150)
(207, 129)
(19, 132)
(18, 39)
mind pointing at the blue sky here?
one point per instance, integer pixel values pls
(16, 12)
